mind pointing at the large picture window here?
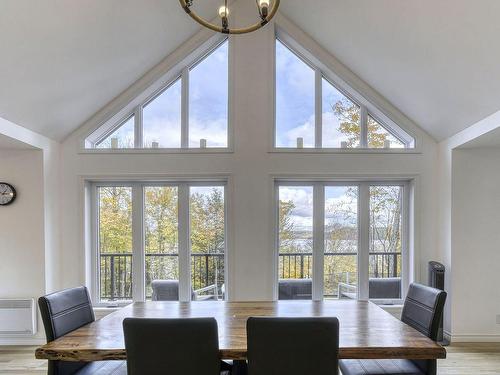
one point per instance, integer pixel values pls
(342, 240)
(174, 232)
(312, 112)
(191, 111)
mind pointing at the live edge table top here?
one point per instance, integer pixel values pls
(366, 331)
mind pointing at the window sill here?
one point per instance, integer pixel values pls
(286, 150)
(209, 150)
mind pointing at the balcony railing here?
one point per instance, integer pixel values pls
(340, 268)
(207, 271)
(207, 274)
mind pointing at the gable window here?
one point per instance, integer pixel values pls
(161, 119)
(149, 231)
(344, 240)
(191, 111)
(120, 137)
(208, 100)
(313, 112)
(294, 99)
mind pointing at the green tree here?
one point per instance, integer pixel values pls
(161, 234)
(207, 237)
(207, 222)
(115, 219)
(286, 227)
(348, 116)
(115, 237)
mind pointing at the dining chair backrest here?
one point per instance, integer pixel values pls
(165, 290)
(422, 310)
(294, 289)
(292, 346)
(63, 312)
(172, 346)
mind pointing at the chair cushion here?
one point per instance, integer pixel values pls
(379, 367)
(104, 368)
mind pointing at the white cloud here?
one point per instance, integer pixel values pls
(305, 131)
(332, 137)
(214, 131)
(302, 198)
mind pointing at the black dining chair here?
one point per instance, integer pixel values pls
(63, 312)
(292, 346)
(422, 310)
(172, 346)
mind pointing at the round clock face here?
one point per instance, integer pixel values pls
(7, 194)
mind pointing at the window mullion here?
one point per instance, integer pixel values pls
(138, 142)
(185, 108)
(318, 118)
(184, 245)
(138, 257)
(95, 286)
(363, 127)
(405, 240)
(363, 241)
(318, 240)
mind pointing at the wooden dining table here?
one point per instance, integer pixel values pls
(366, 330)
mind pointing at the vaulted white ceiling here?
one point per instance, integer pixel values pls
(7, 143)
(437, 61)
(61, 61)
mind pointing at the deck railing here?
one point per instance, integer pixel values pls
(339, 268)
(207, 273)
(299, 265)
(207, 270)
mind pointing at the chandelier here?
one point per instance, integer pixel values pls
(264, 11)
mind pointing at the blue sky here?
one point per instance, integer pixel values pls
(336, 198)
(208, 108)
(295, 97)
(124, 133)
(162, 118)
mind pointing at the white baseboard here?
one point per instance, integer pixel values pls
(15, 341)
(472, 337)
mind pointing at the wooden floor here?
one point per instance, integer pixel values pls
(463, 359)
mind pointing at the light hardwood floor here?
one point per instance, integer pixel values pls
(463, 359)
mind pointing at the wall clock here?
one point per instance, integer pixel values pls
(7, 194)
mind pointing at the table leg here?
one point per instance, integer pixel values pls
(239, 368)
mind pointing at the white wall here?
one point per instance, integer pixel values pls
(50, 186)
(22, 250)
(475, 244)
(453, 166)
(251, 167)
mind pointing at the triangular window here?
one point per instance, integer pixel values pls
(380, 137)
(121, 137)
(191, 111)
(313, 112)
(208, 100)
(341, 119)
(294, 100)
(161, 119)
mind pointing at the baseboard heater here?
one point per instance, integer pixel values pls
(17, 317)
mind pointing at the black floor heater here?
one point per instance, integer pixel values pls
(436, 280)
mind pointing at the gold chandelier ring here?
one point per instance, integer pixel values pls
(219, 29)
